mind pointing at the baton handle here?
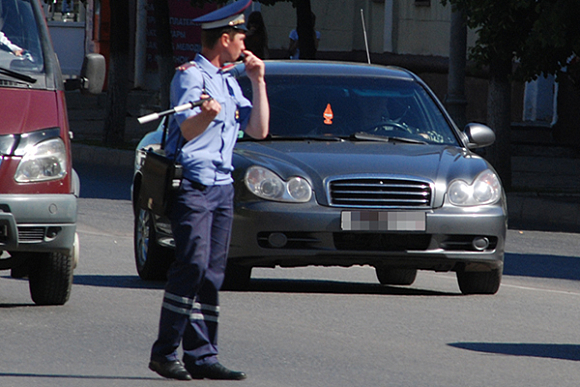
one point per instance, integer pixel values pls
(148, 118)
(177, 109)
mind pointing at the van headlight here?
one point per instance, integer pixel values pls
(485, 189)
(46, 160)
(266, 184)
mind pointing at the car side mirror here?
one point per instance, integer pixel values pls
(478, 135)
(92, 78)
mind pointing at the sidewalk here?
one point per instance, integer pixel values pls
(545, 176)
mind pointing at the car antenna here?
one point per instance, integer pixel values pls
(362, 17)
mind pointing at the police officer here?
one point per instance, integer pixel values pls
(202, 140)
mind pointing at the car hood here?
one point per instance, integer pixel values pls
(24, 111)
(320, 161)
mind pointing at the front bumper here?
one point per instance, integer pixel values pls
(38, 222)
(268, 234)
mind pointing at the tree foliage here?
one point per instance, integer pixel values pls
(541, 35)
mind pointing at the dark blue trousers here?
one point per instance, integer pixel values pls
(201, 220)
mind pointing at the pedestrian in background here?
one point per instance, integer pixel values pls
(257, 37)
(293, 46)
(201, 212)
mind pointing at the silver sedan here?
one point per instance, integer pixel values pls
(363, 166)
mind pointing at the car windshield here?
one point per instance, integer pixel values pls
(353, 107)
(20, 47)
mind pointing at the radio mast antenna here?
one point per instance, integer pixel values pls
(362, 17)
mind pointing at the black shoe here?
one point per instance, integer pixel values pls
(216, 372)
(172, 370)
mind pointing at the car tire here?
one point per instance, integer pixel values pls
(50, 278)
(391, 276)
(236, 277)
(479, 282)
(152, 260)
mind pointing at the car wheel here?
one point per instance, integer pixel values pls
(390, 276)
(50, 278)
(479, 282)
(151, 259)
(237, 277)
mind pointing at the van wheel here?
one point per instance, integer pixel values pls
(390, 276)
(151, 259)
(50, 278)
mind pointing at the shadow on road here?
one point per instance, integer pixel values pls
(104, 182)
(117, 281)
(542, 266)
(335, 287)
(267, 285)
(57, 376)
(552, 351)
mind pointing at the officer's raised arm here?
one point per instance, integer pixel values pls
(258, 126)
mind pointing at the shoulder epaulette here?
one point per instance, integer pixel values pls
(228, 67)
(186, 66)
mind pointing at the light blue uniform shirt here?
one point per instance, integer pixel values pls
(207, 159)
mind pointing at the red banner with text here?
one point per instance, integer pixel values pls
(186, 37)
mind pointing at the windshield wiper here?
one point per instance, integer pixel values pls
(377, 137)
(294, 138)
(17, 75)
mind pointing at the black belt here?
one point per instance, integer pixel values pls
(198, 186)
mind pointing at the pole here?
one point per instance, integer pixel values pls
(455, 100)
(141, 44)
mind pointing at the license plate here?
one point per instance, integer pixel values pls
(382, 221)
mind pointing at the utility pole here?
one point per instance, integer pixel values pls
(141, 44)
(455, 100)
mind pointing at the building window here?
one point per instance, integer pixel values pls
(65, 10)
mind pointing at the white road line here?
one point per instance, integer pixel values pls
(503, 284)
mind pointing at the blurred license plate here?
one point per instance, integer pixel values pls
(382, 221)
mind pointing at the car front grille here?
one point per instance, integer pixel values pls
(31, 234)
(380, 193)
(381, 241)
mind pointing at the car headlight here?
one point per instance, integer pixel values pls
(44, 161)
(485, 189)
(266, 184)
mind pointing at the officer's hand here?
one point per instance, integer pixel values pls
(210, 108)
(255, 68)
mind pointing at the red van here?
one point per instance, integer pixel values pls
(38, 186)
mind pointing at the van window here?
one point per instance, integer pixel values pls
(20, 46)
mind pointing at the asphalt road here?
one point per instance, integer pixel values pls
(301, 327)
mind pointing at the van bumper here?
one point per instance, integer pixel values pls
(38, 222)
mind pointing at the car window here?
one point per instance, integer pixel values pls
(19, 31)
(341, 106)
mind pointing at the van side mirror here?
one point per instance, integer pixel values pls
(92, 77)
(478, 135)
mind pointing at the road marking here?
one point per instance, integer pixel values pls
(449, 276)
(540, 289)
